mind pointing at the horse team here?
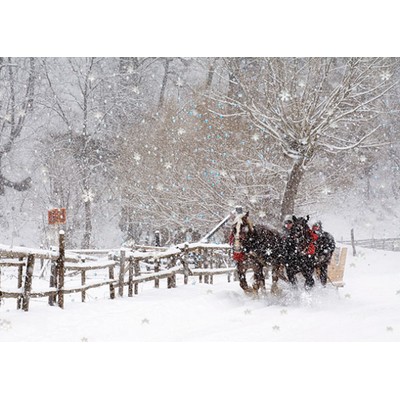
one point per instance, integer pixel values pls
(298, 249)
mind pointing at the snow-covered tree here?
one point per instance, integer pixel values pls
(17, 95)
(310, 107)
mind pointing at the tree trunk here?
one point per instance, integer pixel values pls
(164, 83)
(88, 225)
(292, 187)
(210, 75)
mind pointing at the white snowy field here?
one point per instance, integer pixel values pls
(365, 309)
(202, 340)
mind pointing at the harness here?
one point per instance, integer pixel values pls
(238, 253)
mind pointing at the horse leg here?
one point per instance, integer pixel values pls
(241, 269)
(259, 280)
(291, 275)
(323, 275)
(275, 277)
(307, 272)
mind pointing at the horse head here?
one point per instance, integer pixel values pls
(241, 233)
(300, 231)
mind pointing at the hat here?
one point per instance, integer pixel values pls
(288, 219)
(317, 224)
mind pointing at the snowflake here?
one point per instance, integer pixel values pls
(262, 214)
(326, 191)
(276, 327)
(135, 90)
(5, 325)
(179, 82)
(88, 196)
(181, 131)
(160, 187)
(363, 159)
(385, 76)
(333, 125)
(268, 252)
(223, 173)
(168, 165)
(284, 95)
(302, 84)
(253, 199)
(91, 78)
(98, 115)
(137, 157)
(255, 137)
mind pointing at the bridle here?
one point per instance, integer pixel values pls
(238, 223)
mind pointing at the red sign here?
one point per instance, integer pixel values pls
(57, 216)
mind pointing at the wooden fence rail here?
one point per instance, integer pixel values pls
(200, 260)
(185, 259)
(392, 244)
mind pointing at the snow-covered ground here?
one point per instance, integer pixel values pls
(223, 335)
(365, 309)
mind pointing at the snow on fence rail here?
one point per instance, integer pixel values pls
(392, 244)
(187, 259)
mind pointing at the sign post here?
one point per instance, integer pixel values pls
(57, 217)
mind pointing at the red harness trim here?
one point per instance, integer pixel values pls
(311, 246)
(238, 256)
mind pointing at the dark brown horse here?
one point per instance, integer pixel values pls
(257, 247)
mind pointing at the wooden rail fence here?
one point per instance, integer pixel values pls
(186, 259)
(120, 268)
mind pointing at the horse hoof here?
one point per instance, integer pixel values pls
(251, 292)
(275, 290)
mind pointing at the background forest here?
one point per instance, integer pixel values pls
(133, 145)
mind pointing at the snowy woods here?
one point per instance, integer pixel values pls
(133, 145)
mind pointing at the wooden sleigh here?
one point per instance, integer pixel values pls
(336, 267)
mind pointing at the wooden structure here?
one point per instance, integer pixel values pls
(122, 268)
(336, 267)
(186, 259)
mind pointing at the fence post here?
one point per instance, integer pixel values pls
(137, 273)
(130, 278)
(186, 263)
(111, 277)
(28, 282)
(121, 274)
(205, 265)
(171, 281)
(157, 269)
(61, 269)
(20, 272)
(352, 242)
(83, 282)
(211, 266)
(201, 262)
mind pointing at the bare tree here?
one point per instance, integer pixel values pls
(83, 109)
(17, 90)
(312, 106)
